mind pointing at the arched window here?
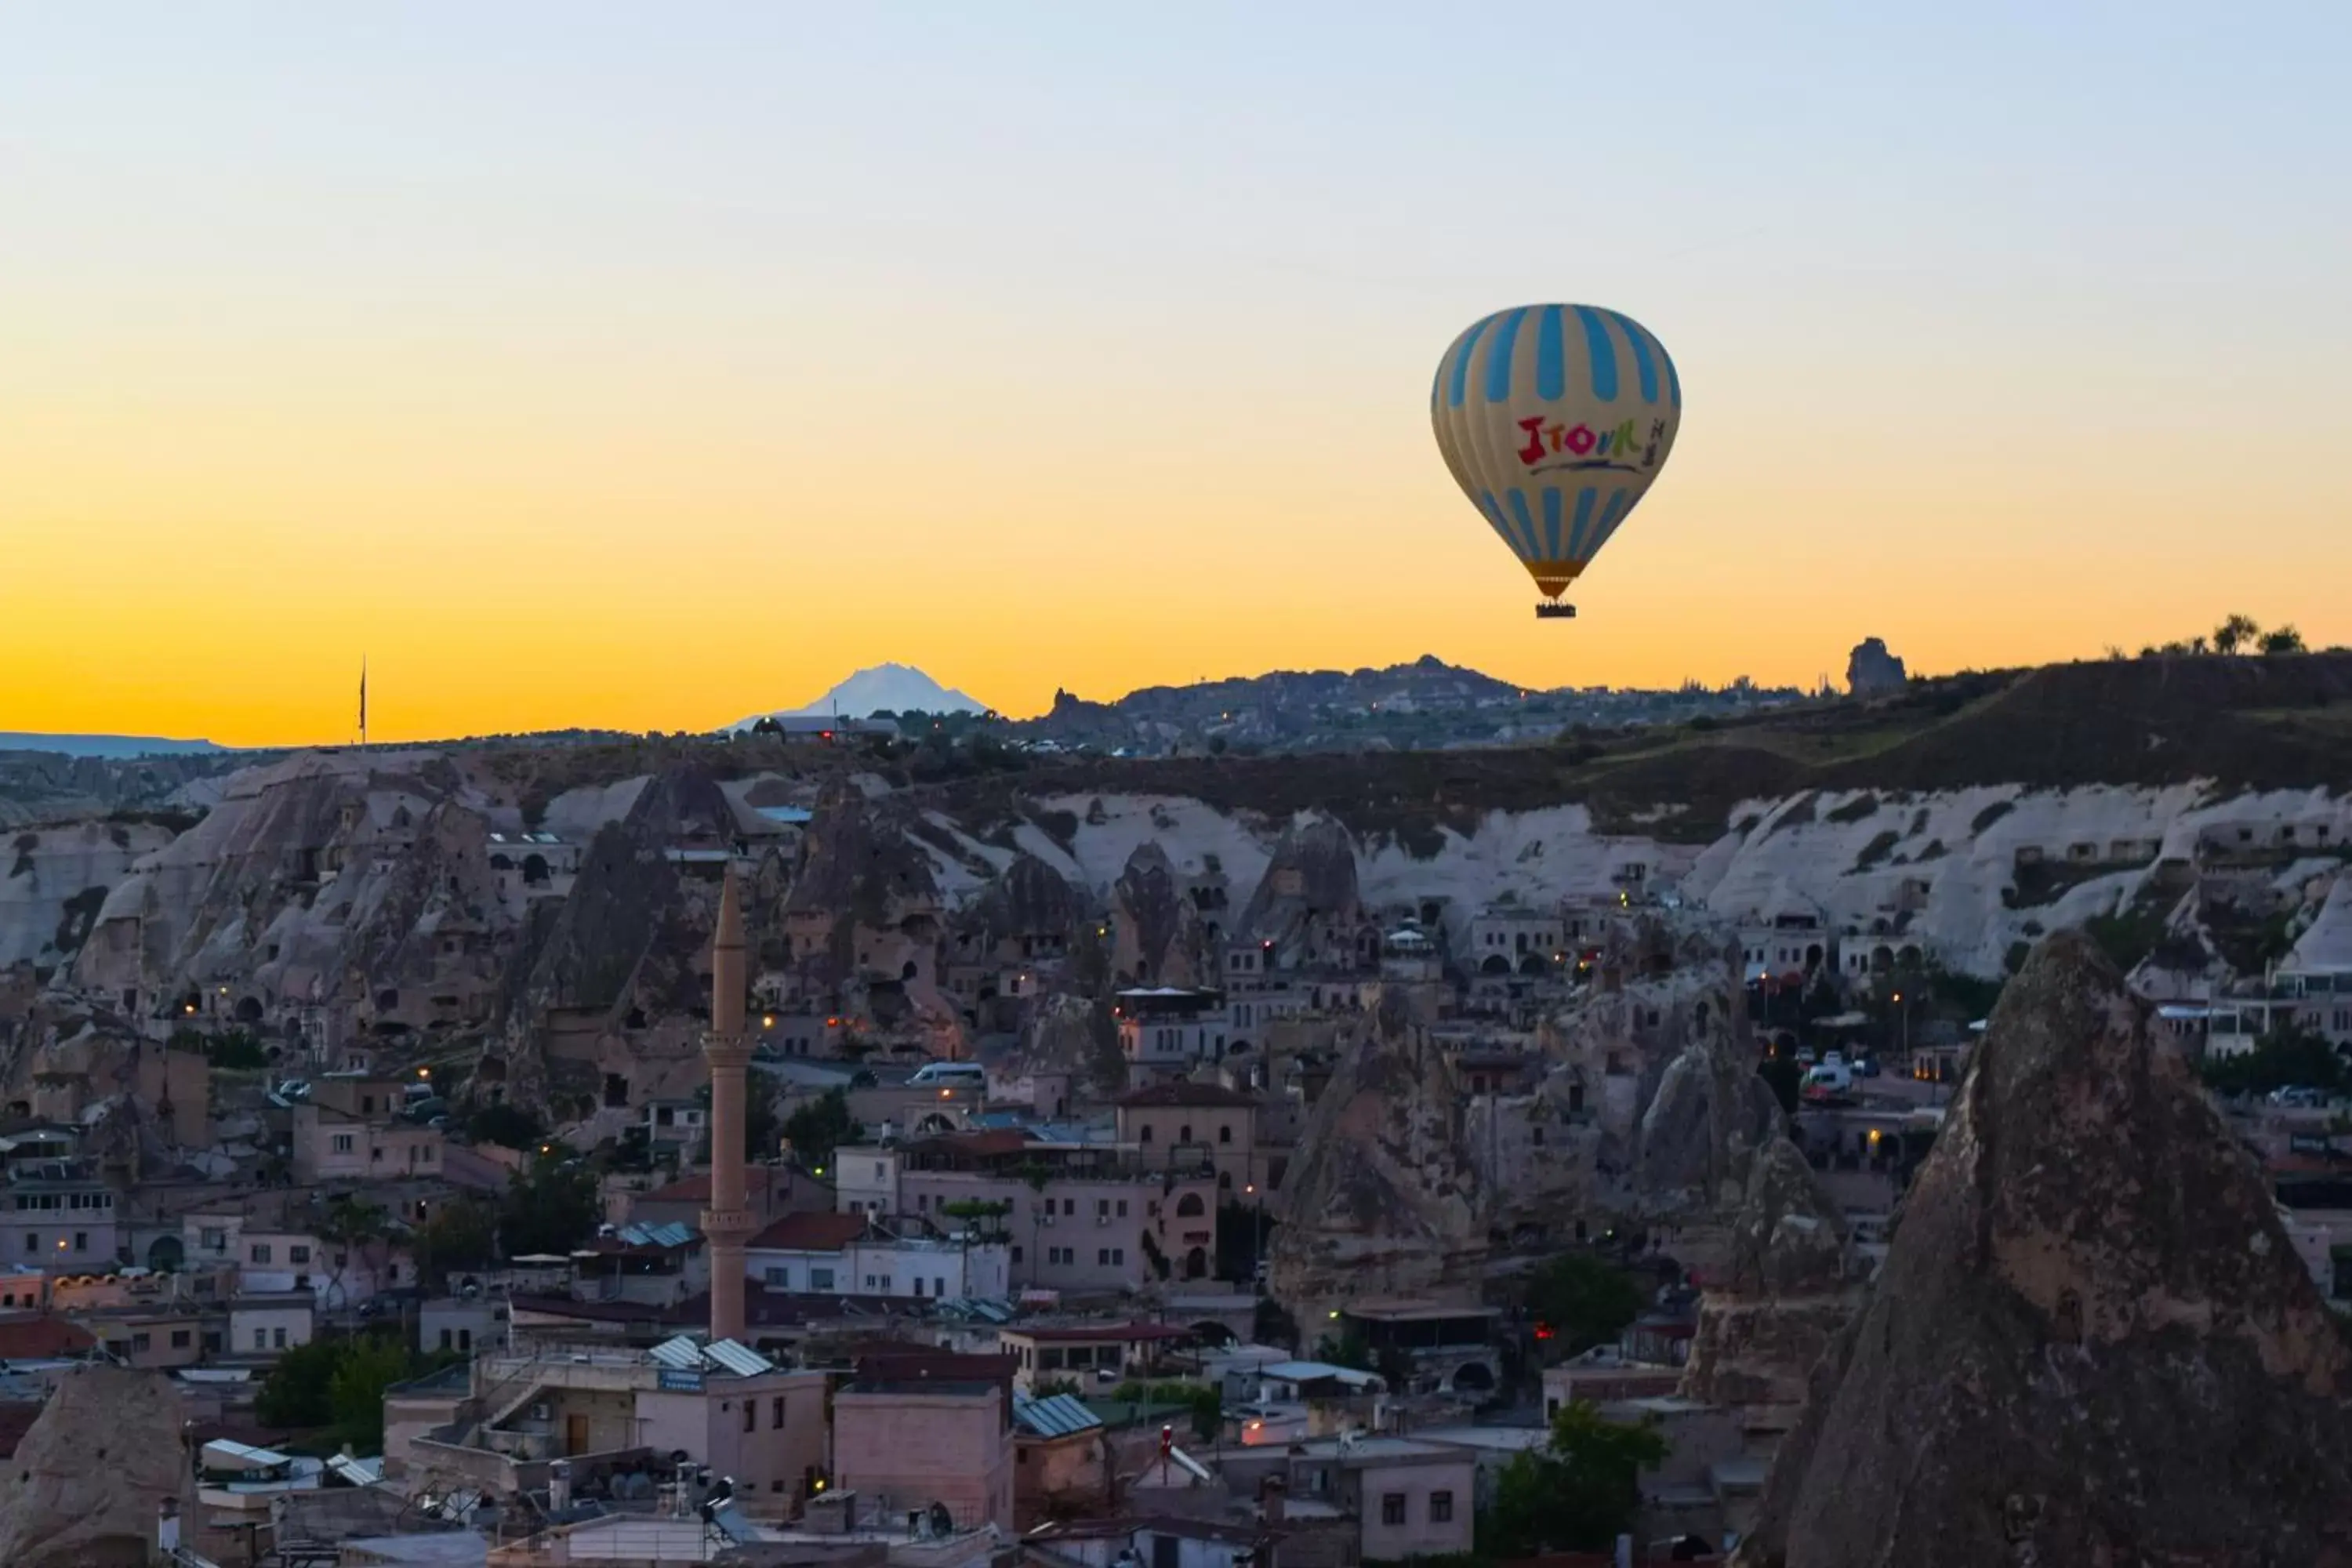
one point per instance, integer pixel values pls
(1144, 1136)
(1224, 1134)
(1185, 1133)
(1190, 1206)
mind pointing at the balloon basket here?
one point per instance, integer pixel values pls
(1555, 612)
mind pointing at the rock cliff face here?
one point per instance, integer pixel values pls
(1072, 1035)
(1154, 928)
(1711, 1113)
(1030, 909)
(1308, 904)
(1787, 1288)
(1384, 1196)
(1871, 671)
(2090, 1342)
(54, 881)
(320, 883)
(93, 1472)
(50, 786)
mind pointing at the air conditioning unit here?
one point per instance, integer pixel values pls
(539, 1410)
(1102, 1219)
(1046, 1219)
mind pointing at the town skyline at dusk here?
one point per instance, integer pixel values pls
(614, 374)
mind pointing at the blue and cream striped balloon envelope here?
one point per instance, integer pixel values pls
(1555, 419)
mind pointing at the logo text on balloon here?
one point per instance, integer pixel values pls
(1581, 446)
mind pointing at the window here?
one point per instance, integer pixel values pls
(32, 1241)
(261, 1252)
(343, 1146)
(776, 1413)
(938, 1287)
(298, 1255)
(1185, 1133)
(1102, 1208)
(81, 1241)
(819, 1279)
(1224, 1133)
(750, 1416)
(278, 1339)
(1069, 1207)
(777, 1279)
(1122, 1208)
(1440, 1507)
(448, 1340)
(261, 1339)
(1144, 1136)
(138, 1344)
(1016, 1253)
(1102, 1258)
(1392, 1508)
(465, 1339)
(179, 1339)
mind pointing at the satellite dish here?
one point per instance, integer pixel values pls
(943, 1521)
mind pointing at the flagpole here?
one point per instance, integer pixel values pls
(362, 702)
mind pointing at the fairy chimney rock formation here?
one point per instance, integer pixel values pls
(2090, 1343)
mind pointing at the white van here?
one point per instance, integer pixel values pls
(950, 1075)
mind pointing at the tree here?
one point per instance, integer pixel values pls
(761, 1126)
(1785, 1079)
(349, 1225)
(1272, 1324)
(551, 1206)
(367, 1366)
(335, 1385)
(506, 1124)
(2289, 1056)
(294, 1395)
(235, 1050)
(1584, 1301)
(819, 1127)
(2236, 632)
(460, 1236)
(1578, 1494)
(2283, 639)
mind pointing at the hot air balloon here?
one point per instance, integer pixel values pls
(1555, 419)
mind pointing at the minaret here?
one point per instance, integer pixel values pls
(726, 1225)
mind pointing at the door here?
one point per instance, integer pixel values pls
(1164, 1550)
(575, 1434)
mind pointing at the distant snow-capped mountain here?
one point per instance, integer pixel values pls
(884, 689)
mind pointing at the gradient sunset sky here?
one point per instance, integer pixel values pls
(649, 367)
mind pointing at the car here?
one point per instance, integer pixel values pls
(1805, 1056)
(1867, 1066)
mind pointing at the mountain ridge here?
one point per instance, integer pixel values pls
(887, 688)
(115, 748)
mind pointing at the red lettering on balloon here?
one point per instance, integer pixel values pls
(1579, 440)
(1534, 448)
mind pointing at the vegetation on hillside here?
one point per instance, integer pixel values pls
(2290, 1056)
(1581, 1302)
(335, 1385)
(1577, 1493)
